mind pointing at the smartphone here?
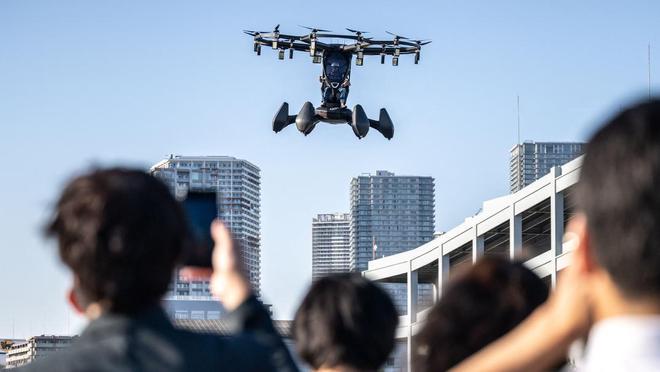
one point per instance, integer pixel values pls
(201, 208)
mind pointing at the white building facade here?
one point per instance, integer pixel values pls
(36, 347)
(530, 160)
(330, 244)
(527, 225)
(391, 214)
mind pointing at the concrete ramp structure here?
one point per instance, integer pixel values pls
(527, 226)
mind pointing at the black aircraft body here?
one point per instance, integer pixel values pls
(335, 80)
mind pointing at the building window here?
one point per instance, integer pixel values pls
(197, 315)
(212, 315)
(181, 314)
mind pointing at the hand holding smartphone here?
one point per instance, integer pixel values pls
(201, 209)
(229, 281)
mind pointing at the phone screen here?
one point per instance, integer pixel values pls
(201, 209)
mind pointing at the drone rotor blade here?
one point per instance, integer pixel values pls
(356, 31)
(315, 29)
(397, 36)
(255, 32)
(338, 36)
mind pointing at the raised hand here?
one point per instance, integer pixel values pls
(229, 281)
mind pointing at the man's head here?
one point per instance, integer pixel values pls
(478, 306)
(121, 232)
(619, 197)
(345, 321)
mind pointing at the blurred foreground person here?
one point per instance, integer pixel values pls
(611, 291)
(478, 307)
(121, 234)
(345, 323)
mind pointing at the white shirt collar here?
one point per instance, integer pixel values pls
(625, 343)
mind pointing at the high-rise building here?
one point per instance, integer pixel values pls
(238, 184)
(330, 244)
(533, 160)
(389, 214)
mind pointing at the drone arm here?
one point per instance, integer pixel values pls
(299, 47)
(338, 36)
(373, 51)
(321, 45)
(359, 46)
(270, 36)
(285, 45)
(349, 48)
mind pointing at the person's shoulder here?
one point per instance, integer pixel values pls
(219, 342)
(243, 351)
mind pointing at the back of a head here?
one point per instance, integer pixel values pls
(345, 320)
(121, 233)
(619, 192)
(479, 306)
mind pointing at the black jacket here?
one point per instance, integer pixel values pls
(149, 342)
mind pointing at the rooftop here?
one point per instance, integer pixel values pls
(173, 157)
(222, 326)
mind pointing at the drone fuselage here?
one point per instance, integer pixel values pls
(336, 75)
(335, 82)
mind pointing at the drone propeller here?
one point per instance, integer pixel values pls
(422, 42)
(276, 30)
(357, 32)
(397, 36)
(315, 30)
(258, 33)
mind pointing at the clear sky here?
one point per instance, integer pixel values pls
(87, 83)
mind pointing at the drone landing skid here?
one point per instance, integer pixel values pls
(309, 116)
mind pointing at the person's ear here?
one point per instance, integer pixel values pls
(74, 301)
(577, 236)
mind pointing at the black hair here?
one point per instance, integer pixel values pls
(121, 232)
(345, 320)
(619, 192)
(479, 305)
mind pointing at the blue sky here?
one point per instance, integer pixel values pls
(87, 83)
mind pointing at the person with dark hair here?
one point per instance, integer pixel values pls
(345, 323)
(611, 291)
(479, 306)
(121, 233)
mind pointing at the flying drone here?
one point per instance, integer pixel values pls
(336, 77)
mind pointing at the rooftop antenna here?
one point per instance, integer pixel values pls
(518, 110)
(649, 62)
